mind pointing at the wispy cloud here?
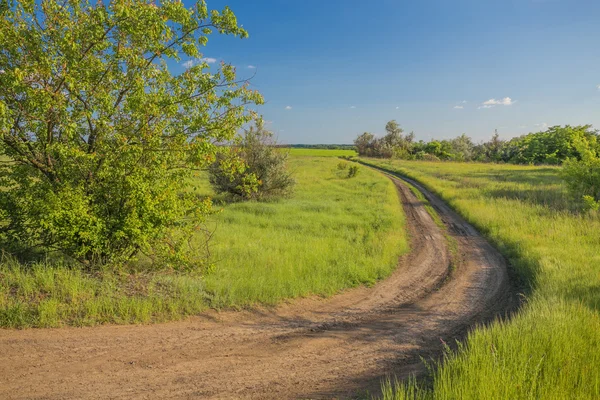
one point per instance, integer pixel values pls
(543, 125)
(352, 106)
(484, 106)
(464, 102)
(288, 107)
(188, 64)
(397, 108)
(459, 107)
(598, 87)
(251, 67)
(507, 101)
(208, 60)
(522, 126)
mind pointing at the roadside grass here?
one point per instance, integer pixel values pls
(321, 152)
(334, 233)
(551, 348)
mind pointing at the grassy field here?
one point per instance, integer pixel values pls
(321, 152)
(334, 233)
(551, 348)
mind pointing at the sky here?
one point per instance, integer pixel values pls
(332, 69)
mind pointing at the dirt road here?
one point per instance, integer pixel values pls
(312, 348)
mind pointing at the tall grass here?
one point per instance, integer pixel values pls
(335, 233)
(551, 348)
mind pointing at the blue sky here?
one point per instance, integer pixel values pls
(332, 69)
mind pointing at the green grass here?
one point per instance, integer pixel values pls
(551, 348)
(334, 233)
(321, 152)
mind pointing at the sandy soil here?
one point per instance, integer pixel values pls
(311, 348)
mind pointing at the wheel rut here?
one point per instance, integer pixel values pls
(310, 348)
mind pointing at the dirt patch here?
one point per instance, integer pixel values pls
(310, 348)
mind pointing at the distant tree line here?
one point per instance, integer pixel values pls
(320, 146)
(553, 146)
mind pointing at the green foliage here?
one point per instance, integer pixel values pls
(335, 233)
(583, 180)
(353, 171)
(99, 136)
(392, 144)
(550, 348)
(341, 166)
(253, 169)
(553, 146)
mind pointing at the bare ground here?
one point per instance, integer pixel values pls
(311, 348)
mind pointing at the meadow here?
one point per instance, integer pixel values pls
(321, 152)
(333, 233)
(550, 349)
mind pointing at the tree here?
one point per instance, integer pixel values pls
(462, 148)
(99, 135)
(393, 138)
(253, 169)
(364, 144)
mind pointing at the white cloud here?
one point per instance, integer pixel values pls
(484, 106)
(598, 87)
(397, 108)
(208, 60)
(288, 107)
(543, 125)
(251, 67)
(352, 106)
(459, 107)
(464, 102)
(507, 101)
(188, 64)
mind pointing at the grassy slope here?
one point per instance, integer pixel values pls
(551, 348)
(333, 234)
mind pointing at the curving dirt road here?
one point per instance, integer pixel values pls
(311, 348)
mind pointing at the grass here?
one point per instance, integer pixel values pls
(321, 152)
(551, 348)
(334, 233)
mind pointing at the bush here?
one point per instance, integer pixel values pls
(98, 137)
(252, 169)
(583, 180)
(353, 171)
(342, 166)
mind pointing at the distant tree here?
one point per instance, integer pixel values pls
(98, 136)
(462, 148)
(393, 137)
(365, 144)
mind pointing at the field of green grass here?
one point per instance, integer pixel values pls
(551, 348)
(321, 152)
(334, 233)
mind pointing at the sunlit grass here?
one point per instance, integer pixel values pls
(334, 233)
(551, 348)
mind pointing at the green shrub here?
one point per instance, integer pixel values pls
(353, 171)
(252, 169)
(583, 180)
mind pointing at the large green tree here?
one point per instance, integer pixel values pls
(99, 135)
